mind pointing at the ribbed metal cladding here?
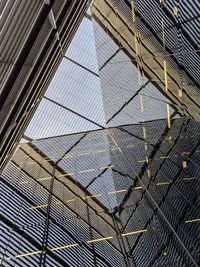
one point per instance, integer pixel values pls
(17, 20)
(36, 46)
(97, 195)
(85, 190)
(114, 27)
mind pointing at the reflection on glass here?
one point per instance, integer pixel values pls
(112, 175)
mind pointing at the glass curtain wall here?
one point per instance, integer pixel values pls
(108, 171)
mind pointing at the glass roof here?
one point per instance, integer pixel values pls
(112, 175)
(75, 89)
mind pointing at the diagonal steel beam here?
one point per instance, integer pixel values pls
(127, 102)
(83, 67)
(76, 113)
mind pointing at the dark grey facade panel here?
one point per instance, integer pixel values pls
(74, 222)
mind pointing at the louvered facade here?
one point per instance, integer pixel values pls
(100, 126)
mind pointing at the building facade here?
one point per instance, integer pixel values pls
(107, 172)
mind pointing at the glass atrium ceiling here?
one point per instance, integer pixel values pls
(75, 89)
(125, 70)
(110, 175)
